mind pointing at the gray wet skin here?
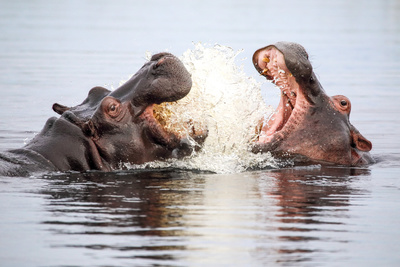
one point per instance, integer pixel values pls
(110, 127)
(307, 122)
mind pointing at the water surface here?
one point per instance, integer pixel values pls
(53, 51)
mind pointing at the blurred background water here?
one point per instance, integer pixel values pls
(55, 51)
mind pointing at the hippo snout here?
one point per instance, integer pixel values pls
(171, 80)
(161, 55)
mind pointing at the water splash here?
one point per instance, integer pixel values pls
(226, 102)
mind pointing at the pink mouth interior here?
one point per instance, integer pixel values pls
(271, 64)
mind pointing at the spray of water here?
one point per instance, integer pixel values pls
(227, 103)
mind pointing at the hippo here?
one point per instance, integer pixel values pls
(110, 127)
(307, 124)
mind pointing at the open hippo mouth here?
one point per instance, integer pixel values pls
(307, 122)
(173, 82)
(270, 62)
(121, 126)
(162, 79)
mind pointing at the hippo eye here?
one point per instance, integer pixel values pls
(112, 107)
(114, 110)
(343, 103)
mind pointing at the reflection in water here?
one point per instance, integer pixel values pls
(173, 217)
(144, 204)
(312, 207)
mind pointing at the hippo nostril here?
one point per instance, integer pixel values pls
(162, 60)
(159, 63)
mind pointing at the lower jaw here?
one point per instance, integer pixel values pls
(275, 125)
(265, 138)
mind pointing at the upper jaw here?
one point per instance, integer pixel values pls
(171, 81)
(163, 79)
(270, 62)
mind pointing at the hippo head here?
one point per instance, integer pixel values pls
(113, 127)
(307, 122)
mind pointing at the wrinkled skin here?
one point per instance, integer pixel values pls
(307, 122)
(110, 127)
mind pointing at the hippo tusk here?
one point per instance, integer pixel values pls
(264, 72)
(266, 59)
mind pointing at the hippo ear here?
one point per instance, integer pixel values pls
(60, 109)
(360, 142)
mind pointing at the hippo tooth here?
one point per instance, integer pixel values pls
(266, 60)
(264, 71)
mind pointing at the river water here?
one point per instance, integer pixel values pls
(205, 214)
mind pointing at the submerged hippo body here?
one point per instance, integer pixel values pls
(307, 122)
(109, 127)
